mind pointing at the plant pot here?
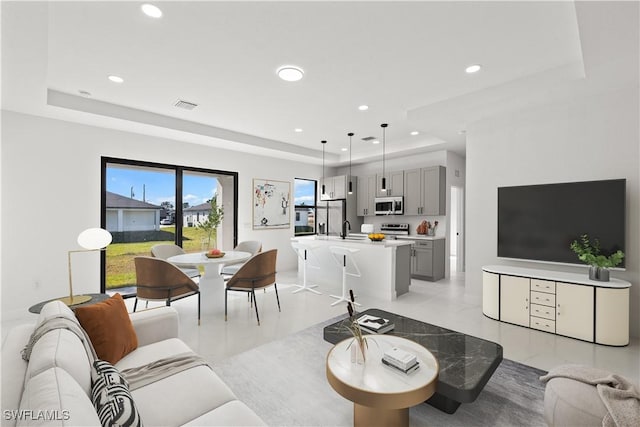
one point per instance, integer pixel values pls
(601, 274)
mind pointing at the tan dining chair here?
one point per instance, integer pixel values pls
(257, 273)
(159, 280)
(166, 250)
(251, 246)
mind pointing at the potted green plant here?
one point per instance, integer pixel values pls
(590, 254)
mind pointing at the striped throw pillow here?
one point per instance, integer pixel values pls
(111, 397)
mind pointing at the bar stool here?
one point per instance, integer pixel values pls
(302, 249)
(342, 255)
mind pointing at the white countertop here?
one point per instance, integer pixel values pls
(556, 276)
(354, 241)
(420, 237)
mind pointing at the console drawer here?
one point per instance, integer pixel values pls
(543, 311)
(543, 324)
(543, 299)
(546, 286)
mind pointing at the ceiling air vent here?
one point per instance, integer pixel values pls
(186, 105)
(368, 138)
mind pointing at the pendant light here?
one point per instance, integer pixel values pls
(323, 187)
(350, 182)
(384, 179)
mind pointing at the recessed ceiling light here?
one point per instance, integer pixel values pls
(116, 79)
(290, 73)
(363, 107)
(151, 10)
(84, 93)
(297, 130)
(414, 133)
(343, 149)
(473, 68)
(375, 141)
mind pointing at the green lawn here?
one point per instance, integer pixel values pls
(121, 270)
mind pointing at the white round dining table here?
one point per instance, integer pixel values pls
(212, 266)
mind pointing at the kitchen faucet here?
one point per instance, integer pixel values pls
(345, 223)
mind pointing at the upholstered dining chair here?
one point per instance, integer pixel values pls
(251, 246)
(159, 280)
(165, 250)
(257, 273)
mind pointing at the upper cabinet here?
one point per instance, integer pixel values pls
(394, 184)
(366, 194)
(335, 188)
(425, 191)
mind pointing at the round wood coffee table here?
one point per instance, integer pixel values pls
(381, 395)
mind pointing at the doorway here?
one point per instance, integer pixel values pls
(456, 248)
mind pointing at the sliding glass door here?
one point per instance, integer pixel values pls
(144, 204)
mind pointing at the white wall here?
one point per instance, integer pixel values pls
(591, 137)
(51, 189)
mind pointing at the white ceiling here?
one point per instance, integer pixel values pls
(405, 60)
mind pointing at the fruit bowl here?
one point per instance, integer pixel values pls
(208, 255)
(376, 237)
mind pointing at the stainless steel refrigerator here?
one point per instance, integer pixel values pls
(333, 213)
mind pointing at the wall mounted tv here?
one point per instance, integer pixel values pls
(539, 222)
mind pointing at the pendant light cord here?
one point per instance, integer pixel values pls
(384, 179)
(350, 188)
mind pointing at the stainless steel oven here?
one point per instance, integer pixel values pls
(389, 205)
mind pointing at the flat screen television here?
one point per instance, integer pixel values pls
(539, 222)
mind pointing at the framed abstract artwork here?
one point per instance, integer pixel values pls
(271, 200)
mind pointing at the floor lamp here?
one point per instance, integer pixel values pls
(91, 239)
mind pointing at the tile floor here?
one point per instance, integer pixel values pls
(444, 303)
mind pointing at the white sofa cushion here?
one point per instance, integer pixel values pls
(152, 352)
(61, 348)
(53, 398)
(55, 309)
(232, 414)
(182, 397)
(13, 369)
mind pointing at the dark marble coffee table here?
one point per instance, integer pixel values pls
(466, 362)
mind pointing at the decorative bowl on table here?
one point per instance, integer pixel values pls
(376, 237)
(212, 254)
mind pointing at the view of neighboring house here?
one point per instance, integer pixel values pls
(305, 220)
(194, 215)
(127, 214)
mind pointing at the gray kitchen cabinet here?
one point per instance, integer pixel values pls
(427, 259)
(335, 188)
(394, 184)
(366, 194)
(425, 191)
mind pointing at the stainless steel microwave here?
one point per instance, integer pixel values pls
(389, 205)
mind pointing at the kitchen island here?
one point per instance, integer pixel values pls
(385, 267)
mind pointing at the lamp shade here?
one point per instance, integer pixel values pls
(94, 238)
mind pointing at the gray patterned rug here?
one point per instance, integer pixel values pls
(285, 383)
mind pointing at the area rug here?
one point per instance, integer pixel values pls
(285, 383)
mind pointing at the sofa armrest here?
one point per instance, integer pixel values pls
(156, 324)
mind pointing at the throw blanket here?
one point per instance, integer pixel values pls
(619, 396)
(141, 376)
(58, 322)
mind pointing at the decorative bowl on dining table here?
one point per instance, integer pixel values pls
(214, 253)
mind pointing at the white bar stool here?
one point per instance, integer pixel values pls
(342, 255)
(302, 249)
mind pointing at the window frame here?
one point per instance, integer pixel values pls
(178, 170)
(314, 206)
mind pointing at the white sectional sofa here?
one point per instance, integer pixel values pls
(54, 387)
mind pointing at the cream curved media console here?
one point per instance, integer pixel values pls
(561, 303)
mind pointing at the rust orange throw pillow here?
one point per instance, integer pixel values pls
(108, 325)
